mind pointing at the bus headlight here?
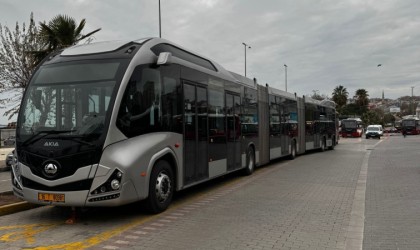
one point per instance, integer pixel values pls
(16, 175)
(112, 184)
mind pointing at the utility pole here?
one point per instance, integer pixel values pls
(285, 69)
(160, 23)
(412, 101)
(246, 45)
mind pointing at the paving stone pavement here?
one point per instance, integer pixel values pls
(287, 205)
(362, 195)
(392, 195)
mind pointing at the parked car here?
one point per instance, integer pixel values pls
(10, 141)
(9, 159)
(391, 130)
(374, 131)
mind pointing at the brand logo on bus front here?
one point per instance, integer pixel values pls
(51, 144)
(50, 169)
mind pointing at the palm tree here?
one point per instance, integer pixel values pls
(339, 96)
(362, 99)
(59, 33)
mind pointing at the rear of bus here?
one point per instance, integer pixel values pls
(350, 128)
(410, 126)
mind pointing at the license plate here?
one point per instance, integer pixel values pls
(51, 197)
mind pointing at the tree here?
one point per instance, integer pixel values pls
(350, 110)
(362, 100)
(59, 33)
(371, 117)
(362, 97)
(22, 49)
(339, 96)
(16, 63)
(405, 109)
(389, 118)
(317, 96)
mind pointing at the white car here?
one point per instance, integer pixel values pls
(374, 131)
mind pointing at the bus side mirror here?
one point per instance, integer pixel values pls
(165, 58)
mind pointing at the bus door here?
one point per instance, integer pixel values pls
(284, 129)
(317, 134)
(195, 133)
(233, 104)
(275, 127)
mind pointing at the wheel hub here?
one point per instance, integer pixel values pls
(163, 187)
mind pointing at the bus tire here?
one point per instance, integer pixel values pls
(292, 155)
(323, 145)
(161, 187)
(332, 144)
(250, 162)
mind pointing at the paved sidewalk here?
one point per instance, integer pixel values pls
(362, 195)
(287, 205)
(392, 199)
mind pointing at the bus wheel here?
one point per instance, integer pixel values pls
(323, 146)
(332, 144)
(292, 155)
(250, 162)
(161, 187)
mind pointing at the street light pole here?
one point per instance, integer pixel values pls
(412, 101)
(160, 25)
(285, 80)
(245, 46)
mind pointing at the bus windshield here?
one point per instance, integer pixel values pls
(68, 99)
(349, 124)
(406, 123)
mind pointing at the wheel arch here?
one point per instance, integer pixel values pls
(167, 155)
(293, 143)
(252, 145)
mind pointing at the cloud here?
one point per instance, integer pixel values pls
(325, 43)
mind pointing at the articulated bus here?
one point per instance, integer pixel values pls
(397, 125)
(410, 125)
(352, 127)
(111, 123)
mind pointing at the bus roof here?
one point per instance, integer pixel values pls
(410, 117)
(149, 43)
(98, 47)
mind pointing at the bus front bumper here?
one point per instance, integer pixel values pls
(78, 198)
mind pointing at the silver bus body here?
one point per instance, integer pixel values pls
(199, 122)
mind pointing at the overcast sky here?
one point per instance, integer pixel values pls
(325, 43)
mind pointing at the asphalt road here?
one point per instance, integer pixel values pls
(362, 195)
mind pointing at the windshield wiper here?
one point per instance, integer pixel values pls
(35, 137)
(76, 139)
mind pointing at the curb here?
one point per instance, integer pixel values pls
(15, 207)
(3, 166)
(4, 169)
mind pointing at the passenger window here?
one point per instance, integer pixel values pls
(140, 108)
(149, 103)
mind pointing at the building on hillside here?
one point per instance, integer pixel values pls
(394, 109)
